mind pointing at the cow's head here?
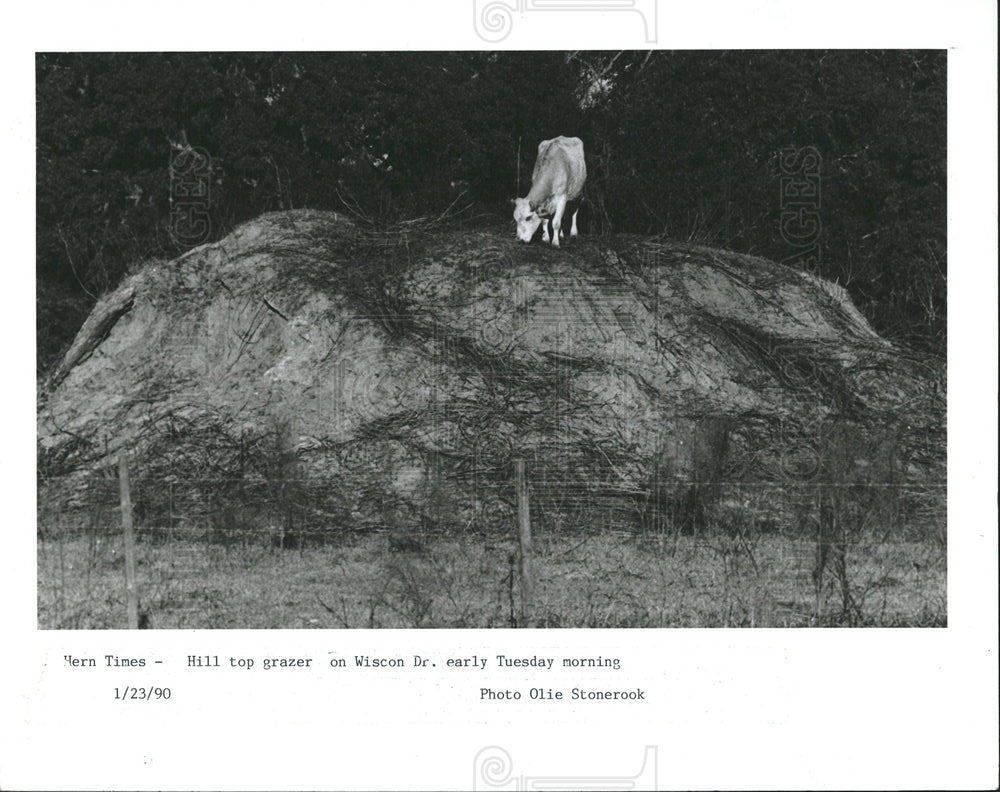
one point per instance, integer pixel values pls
(527, 219)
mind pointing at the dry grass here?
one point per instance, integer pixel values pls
(611, 580)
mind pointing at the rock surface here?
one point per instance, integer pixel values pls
(363, 379)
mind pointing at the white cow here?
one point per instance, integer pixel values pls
(559, 175)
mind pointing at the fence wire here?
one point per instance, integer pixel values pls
(254, 552)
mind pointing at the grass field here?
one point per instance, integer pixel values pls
(611, 580)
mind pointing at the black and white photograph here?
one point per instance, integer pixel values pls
(552, 354)
(302, 366)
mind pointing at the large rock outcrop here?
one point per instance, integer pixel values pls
(343, 378)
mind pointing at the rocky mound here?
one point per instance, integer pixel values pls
(307, 373)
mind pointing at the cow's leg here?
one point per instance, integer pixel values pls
(545, 229)
(557, 219)
(572, 231)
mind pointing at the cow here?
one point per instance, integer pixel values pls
(559, 175)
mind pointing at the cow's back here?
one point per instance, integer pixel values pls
(560, 167)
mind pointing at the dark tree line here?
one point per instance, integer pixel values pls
(680, 143)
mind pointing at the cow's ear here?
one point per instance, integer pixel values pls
(513, 201)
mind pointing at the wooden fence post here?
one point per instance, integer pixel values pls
(524, 524)
(131, 591)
